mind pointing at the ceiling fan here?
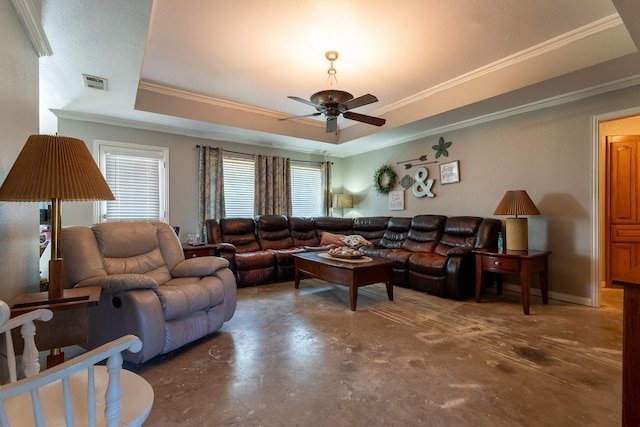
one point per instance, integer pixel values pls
(333, 102)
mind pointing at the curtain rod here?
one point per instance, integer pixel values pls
(249, 154)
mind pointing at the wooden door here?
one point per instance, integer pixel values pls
(623, 205)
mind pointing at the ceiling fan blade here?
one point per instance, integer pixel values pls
(299, 117)
(304, 101)
(376, 121)
(360, 101)
(332, 124)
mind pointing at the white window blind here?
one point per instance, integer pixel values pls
(239, 187)
(306, 190)
(137, 178)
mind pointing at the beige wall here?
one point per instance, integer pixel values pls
(18, 119)
(548, 152)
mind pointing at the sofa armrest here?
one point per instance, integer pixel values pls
(199, 267)
(225, 247)
(115, 283)
(458, 251)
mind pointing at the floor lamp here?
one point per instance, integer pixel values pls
(54, 168)
(517, 203)
(342, 201)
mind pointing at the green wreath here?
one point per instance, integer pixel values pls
(390, 175)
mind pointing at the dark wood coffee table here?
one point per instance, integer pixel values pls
(342, 272)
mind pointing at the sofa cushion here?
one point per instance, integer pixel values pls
(396, 233)
(424, 233)
(327, 238)
(184, 296)
(334, 225)
(371, 228)
(254, 260)
(285, 256)
(132, 247)
(399, 256)
(428, 263)
(303, 232)
(458, 232)
(273, 232)
(240, 232)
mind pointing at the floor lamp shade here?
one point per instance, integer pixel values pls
(54, 168)
(342, 201)
(517, 202)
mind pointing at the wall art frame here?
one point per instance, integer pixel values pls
(450, 172)
(396, 200)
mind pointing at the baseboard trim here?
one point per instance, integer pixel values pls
(558, 296)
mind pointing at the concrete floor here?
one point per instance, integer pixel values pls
(302, 358)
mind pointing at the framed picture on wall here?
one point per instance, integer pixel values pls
(396, 200)
(450, 172)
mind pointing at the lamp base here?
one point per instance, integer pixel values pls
(517, 234)
(56, 279)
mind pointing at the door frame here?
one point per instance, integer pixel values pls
(598, 200)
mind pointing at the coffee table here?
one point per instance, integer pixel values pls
(350, 273)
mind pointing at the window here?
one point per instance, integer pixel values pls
(138, 178)
(239, 187)
(306, 190)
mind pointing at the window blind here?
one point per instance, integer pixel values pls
(306, 190)
(137, 179)
(239, 187)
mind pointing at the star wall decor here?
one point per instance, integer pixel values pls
(441, 148)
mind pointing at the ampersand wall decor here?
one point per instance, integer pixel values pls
(422, 186)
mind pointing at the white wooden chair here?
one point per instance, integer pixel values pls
(76, 392)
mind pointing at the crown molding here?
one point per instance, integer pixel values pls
(347, 150)
(218, 102)
(32, 23)
(527, 108)
(596, 27)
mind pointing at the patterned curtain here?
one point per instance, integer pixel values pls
(273, 185)
(326, 188)
(211, 185)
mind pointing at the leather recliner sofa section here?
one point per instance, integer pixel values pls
(431, 253)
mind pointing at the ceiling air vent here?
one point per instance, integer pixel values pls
(94, 82)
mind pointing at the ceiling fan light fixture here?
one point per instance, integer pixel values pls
(332, 103)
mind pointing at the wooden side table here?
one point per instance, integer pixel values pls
(194, 251)
(630, 347)
(70, 322)
(523, 263)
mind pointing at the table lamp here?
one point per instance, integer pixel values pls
(54, 168)
(342, 201)
(517, 202)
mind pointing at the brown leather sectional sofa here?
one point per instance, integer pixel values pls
(432, 253)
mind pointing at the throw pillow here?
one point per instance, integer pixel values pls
(327, 238)
(355, 241)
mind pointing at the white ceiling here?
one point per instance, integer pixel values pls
(223, 69)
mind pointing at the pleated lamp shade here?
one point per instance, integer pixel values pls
(54, 168)
(517, 202)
